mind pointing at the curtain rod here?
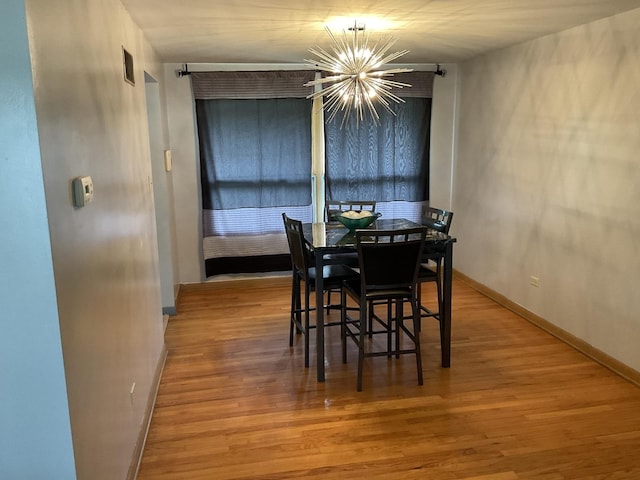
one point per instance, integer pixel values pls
(184, 71)
(208, 67)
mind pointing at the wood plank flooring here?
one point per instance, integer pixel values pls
(235, 402)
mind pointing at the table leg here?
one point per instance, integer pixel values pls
(445, 315)
(319, 316)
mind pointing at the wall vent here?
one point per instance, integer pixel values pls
(127, 65)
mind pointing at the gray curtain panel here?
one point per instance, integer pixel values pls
(386, 162)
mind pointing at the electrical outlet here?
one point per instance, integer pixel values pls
(133, 387)
(535, 281)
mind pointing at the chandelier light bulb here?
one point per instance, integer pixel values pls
(354, 82)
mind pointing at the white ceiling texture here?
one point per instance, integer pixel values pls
(282, 31)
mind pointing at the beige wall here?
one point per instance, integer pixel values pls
(186, 174)
(547, 180)
(105, 255)
(443, 122)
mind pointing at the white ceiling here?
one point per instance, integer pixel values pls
(282, 31)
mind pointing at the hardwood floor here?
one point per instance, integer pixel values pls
(235, 402)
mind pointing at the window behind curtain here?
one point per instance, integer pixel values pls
(255, 158)
(388, 163)
(254, 154)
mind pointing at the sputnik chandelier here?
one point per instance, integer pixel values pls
(355, 83)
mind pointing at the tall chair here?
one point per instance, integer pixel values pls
(431, 266)
(302, 271)
(389, 261)
(333, 208)
(436, 219)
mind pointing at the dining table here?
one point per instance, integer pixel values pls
(329, 238)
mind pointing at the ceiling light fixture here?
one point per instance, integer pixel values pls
(356, 84)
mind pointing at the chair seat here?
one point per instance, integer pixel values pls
(350, 259)
(334, 274)
(426, 273)
(399, 293)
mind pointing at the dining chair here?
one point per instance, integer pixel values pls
(389, 261)
(333, 208)
(302, 272)
(431, 265)
(436, 219)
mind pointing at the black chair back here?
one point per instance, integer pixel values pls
(333, 208)
(389, 259)
(437, 219)
(295, 237)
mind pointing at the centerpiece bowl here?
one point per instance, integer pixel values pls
(354, 220)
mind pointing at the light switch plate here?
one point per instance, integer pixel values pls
(82, 191)
(168, 160)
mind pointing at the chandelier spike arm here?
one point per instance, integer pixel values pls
(356, 45)
(381, 84)
(383, 94)
(331, 90)
(341, 51)
(389, 84)
(379, 51)
(332, 78)
(354, 85)
(332, 113)
(328, 62)
(372, 108)
(363, 54)
(392, 56)
(383, 45)
(386, 94)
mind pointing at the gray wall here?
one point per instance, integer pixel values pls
(443, 137)
(163, 195)
(103, 257)
(186, 175)
(547, 180)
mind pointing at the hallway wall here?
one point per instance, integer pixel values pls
(105, 254)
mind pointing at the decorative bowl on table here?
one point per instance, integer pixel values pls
(354, 219)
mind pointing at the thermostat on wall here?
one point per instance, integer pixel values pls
(82, 191)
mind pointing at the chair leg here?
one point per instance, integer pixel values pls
(415, 309)
(298, 305)
(363, 323)
(390, 327)
(419, 300)
(439, 287)
(307, 295)
(399, 323)
(343, 324)
(439, 290)
(295, 307)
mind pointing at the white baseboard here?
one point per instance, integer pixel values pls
(148, 413)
